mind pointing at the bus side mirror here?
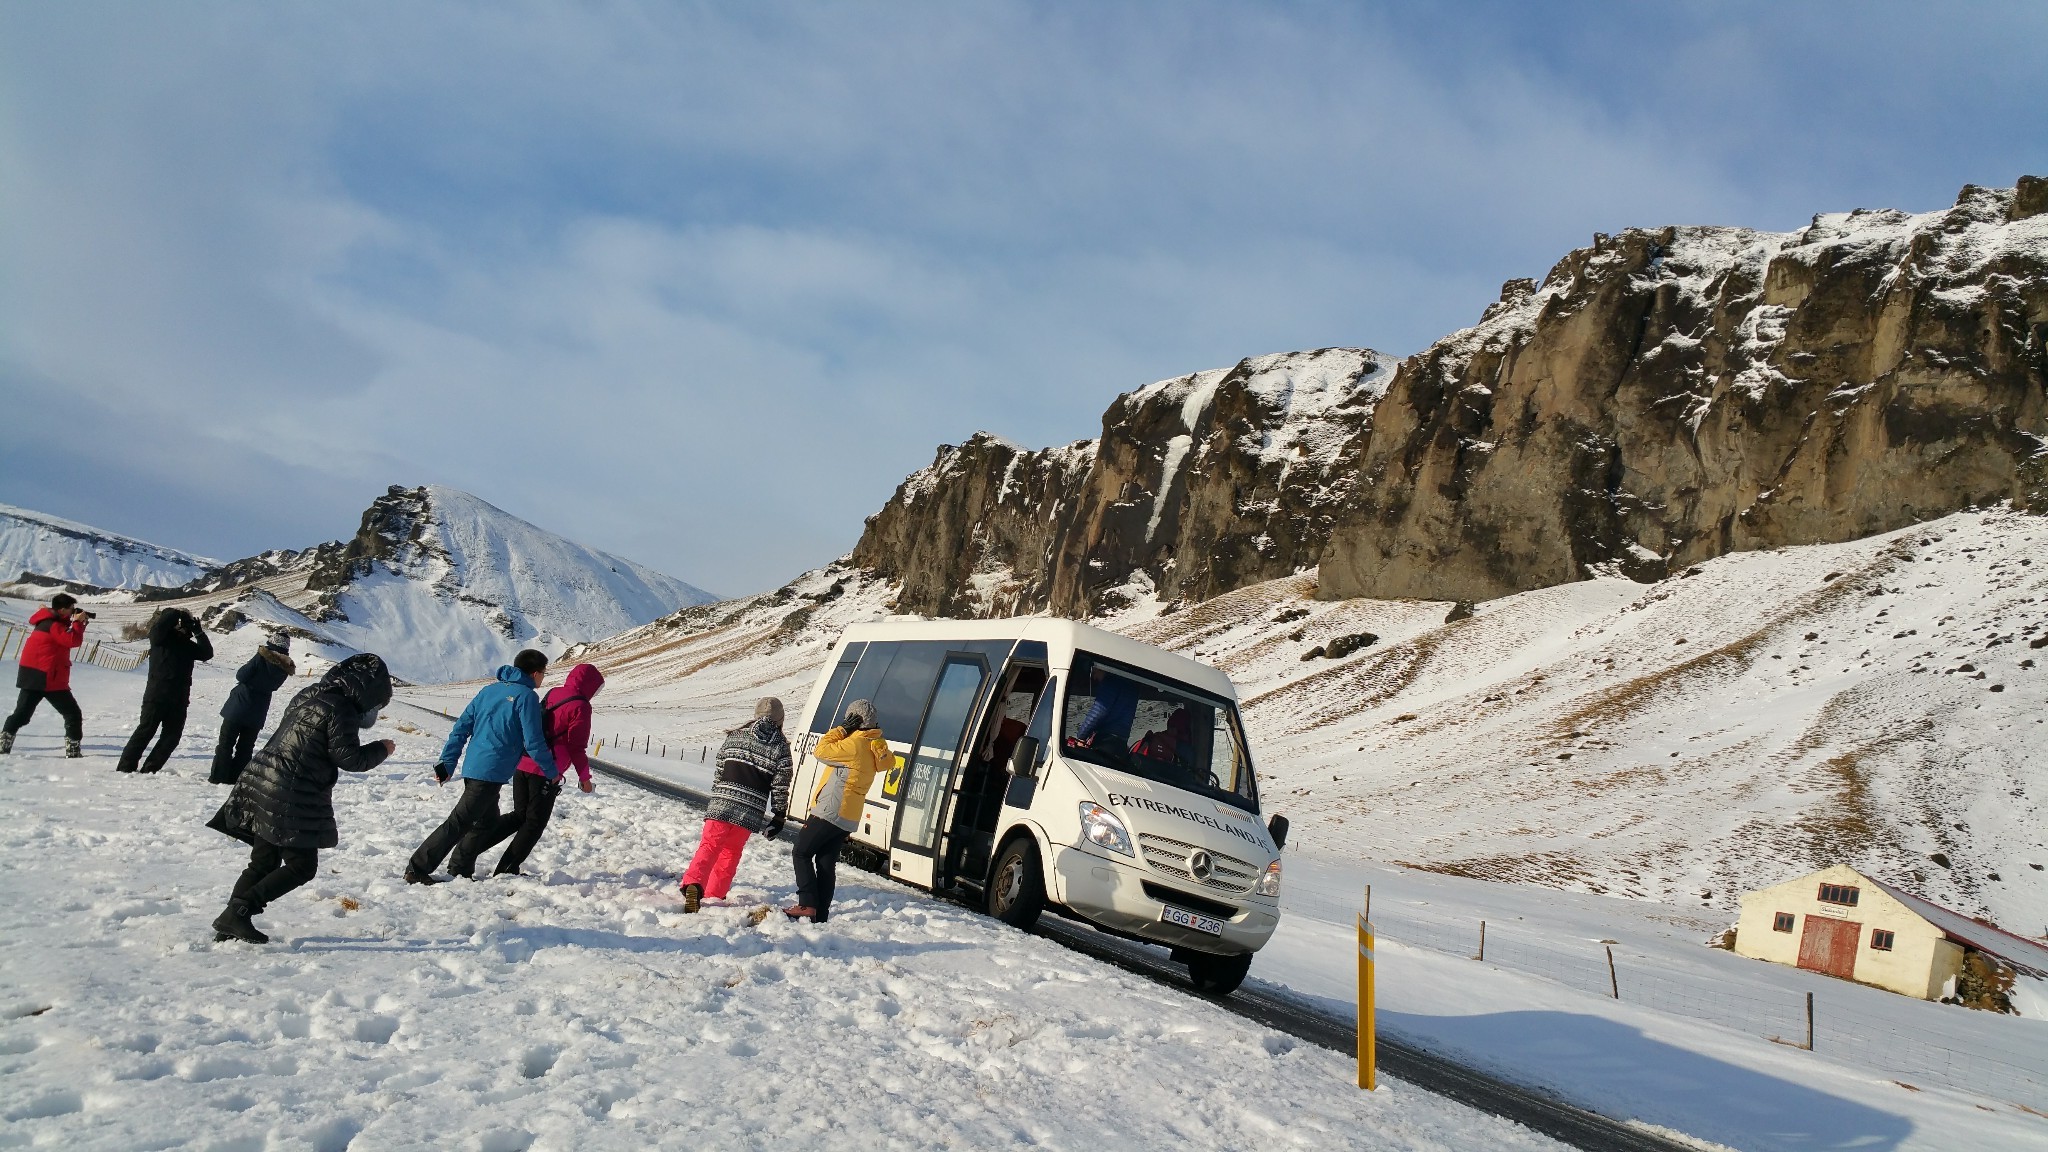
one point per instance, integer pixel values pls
(1024, 757)
(1277, 827)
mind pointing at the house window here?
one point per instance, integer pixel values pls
(1782, 922)
(1838, 894)
(1880, 940)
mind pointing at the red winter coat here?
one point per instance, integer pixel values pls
(567, 719)
(46, 654)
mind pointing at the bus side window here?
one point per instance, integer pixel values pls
(900, 697)
(835, 691)
(1040, 728)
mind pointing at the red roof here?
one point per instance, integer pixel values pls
(2026, 955)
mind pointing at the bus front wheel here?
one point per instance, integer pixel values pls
(1217, 975)
(1016, 892)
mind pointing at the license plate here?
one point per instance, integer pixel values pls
(1195, 920)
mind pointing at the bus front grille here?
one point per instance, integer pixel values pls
(1171, 857)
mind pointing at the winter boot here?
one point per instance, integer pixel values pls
(693, 897)
(71, 751)
(6, 743)
(233, 924)
(801, 912)
(412, 877)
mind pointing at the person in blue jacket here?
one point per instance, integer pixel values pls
(501, 724)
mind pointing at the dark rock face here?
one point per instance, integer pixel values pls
(1663, 397)
(1668, 396)
(1197, 485)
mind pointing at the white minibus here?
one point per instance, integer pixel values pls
(1042, 763)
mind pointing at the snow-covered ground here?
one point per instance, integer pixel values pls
(67, 550)
(578, 1008)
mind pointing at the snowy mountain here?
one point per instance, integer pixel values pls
(440, 583)
(33, 544)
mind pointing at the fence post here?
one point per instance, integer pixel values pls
(1613, 985)
(664, 751)
(1809, 1021)
(1368, 1055)
(1482, 941)
(600, 749)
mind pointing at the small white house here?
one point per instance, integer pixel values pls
(1843, 923)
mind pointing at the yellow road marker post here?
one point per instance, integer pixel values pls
(1368, 1073)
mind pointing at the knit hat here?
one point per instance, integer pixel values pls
(769, 708)
(279, 642)
(862, 712)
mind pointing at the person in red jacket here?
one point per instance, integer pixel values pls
(46, 670)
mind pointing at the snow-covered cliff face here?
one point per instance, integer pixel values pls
(1198, 485)
(1664, 397)
(1672, 395)
(35, 545)
(441, 584)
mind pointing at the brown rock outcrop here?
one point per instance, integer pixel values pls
(1672, 395)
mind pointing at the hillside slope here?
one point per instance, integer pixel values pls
(1876, 702)
(33, 544)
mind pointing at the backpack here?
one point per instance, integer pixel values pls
(547, 720)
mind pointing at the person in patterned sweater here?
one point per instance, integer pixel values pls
(752, 795)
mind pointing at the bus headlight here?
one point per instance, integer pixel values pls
(1104, 830)
(1269, 884)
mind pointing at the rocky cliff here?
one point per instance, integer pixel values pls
(1662, 397)
(1198, 485)
(1671, 395)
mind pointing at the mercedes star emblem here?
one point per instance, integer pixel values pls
(1199, 865)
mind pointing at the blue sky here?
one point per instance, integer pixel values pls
(700, 283)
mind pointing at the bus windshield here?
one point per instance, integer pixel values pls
(1148, 725)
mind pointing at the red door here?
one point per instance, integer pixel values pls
(1830, 946)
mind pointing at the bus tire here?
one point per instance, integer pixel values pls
(1016, 889)
(1217, 975)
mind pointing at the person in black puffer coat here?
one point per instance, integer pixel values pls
(176, 642)
(241, 718)
(283, 806)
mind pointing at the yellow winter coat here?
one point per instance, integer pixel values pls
(854, 759)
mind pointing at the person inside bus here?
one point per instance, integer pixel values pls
(1114, 706)
(1171, 746)
(855, 751)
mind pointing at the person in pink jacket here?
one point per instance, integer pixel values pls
(565, 716)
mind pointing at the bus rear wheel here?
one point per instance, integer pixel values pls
(1217, 975)
(1016, 891)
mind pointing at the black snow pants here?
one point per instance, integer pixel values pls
(274, 871)
(231, 754)
(816, 854)
(166, 714)
(472, 827)
(533, 804)
(63, 701)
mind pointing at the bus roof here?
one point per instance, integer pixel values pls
(1061, 638)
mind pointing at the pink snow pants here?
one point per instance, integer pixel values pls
(717, 858)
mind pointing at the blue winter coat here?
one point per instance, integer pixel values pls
(502, 723)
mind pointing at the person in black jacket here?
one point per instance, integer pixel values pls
(176, 642)
(248, 706)
(283, 806)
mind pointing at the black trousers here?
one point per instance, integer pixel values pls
(274, 871)
(169, 715)
(231, 754)
(472, 827)
(533, 804)
(816, 853)
(62, 700)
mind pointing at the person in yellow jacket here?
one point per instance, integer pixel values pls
(853, 752)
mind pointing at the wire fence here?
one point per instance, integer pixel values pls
(1923, 1041)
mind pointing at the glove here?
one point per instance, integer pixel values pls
(551, 788)
(774, 827)
(586, 786)
(443, 771)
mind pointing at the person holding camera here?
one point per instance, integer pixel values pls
(176, 643)
(46, 671)
(855, 751)
(751, 795)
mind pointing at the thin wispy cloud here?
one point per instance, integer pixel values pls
(700, 283)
